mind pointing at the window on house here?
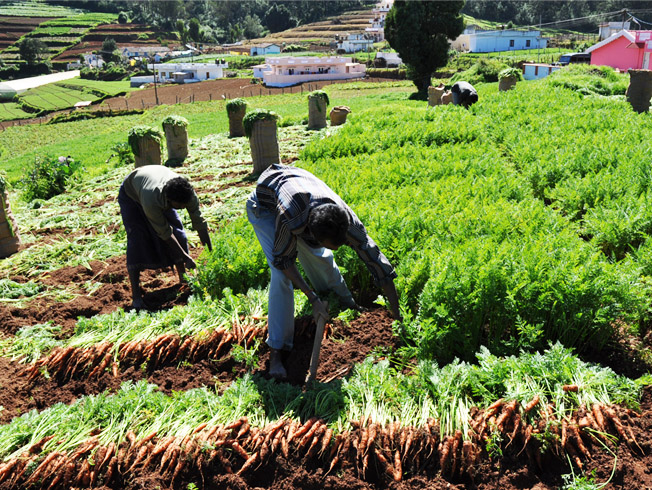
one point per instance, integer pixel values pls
(527, 43)
(511, 43)
(207, 75)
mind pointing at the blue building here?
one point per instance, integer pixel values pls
(479, 41)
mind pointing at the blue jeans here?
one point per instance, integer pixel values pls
(318, 264)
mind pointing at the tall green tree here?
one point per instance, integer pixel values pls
(109, 50)
(193, 29)
(420, 33)
(278, 18)
(32, 50)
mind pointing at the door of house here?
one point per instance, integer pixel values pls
(646, 61)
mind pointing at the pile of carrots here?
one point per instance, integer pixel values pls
(391, 450)
(66, 363)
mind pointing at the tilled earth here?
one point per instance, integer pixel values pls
(625, 467)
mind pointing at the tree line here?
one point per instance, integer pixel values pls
(219, 21)
(579, 15)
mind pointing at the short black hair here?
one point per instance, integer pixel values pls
(179, 190)
(329, 222)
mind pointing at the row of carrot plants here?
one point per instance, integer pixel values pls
(403, 424)
(521, 221)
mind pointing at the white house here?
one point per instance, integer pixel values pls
(355, 42)
(476, 40)
(91, 60)
(265, 48)
(156, 52)
(289, 70)
(377, 29)
(182, 72)
(392, 59)
(534, 71)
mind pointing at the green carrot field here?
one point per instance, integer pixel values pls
(519, 230)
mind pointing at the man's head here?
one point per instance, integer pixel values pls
(179, 192)
(329, 223)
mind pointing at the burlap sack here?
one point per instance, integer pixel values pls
(447, 97)
(9, 237)
(264, 145)
(639, 90)
(507, 83)
(176, 138)
(149, 152)
(235, 122)
(338, 114)
(434, 94)
(316, 112)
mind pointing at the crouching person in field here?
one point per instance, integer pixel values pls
(296, 215)
(149, 198)
(464, 94)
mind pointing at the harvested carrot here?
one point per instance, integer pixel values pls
(236, 424)
(577, 438)
(507, 412)
(238, 449)
(177, 471)
(398, 468)
(455, 450)
(253, 459)
(444, 453)
(301, 431)
(387, 468)
(599, 416)
(325, 442)
(316, 442)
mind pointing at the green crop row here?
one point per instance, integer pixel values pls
(374, 392)
(466, 204)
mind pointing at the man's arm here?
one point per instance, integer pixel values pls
(205, 238)
(179, 253)
(318, 307)
(392, 296)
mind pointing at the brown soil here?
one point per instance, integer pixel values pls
(344, 345)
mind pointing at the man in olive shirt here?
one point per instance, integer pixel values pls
(148, 198)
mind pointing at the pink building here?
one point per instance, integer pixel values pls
(624, 50)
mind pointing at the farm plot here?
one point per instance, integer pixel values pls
(487, 383)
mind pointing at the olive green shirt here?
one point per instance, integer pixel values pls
(145, 186)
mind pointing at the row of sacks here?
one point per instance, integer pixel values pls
(317, 104)
(258, 125)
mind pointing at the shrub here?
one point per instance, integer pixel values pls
(48, 177)
(122, 153)
(485, 70)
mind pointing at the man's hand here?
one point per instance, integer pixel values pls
(190, 264)
(320, 310)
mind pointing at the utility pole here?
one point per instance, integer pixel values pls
(154, 71)
(624, 12)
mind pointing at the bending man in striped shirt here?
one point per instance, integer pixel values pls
(296, 215)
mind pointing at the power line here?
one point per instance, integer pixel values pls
(576, 19)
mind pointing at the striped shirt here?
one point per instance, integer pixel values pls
(145, 186)
(290, 193)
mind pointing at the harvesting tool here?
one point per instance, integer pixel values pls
(314, 358)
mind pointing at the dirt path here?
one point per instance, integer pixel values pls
(168, 94)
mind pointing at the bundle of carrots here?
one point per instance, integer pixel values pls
(392, 450)
(575, 434)
(65, 363)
